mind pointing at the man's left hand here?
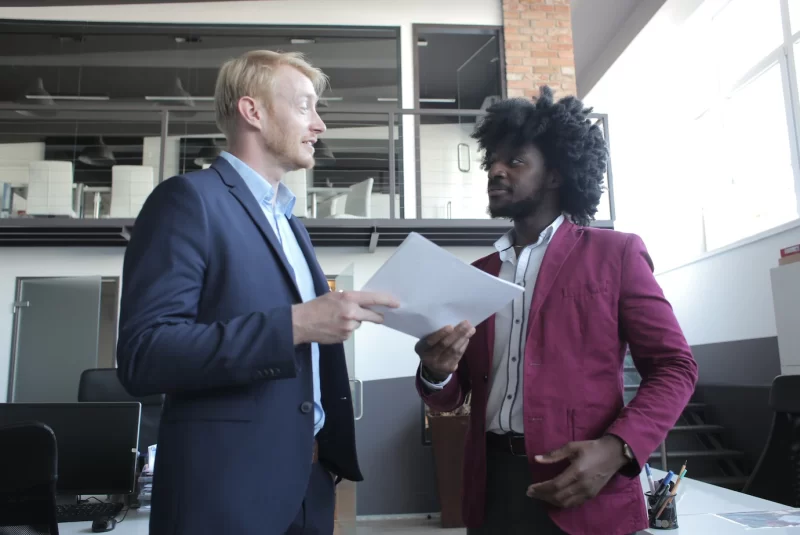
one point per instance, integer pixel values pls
(592, 464)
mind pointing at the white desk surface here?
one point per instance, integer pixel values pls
(710, 524)
(698, 503)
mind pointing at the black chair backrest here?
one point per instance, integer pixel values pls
(103, 385)
(777, 475)
(28, 474)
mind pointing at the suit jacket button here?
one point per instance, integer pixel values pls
(485, 378)
(306, 407)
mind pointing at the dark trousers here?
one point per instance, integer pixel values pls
(315, 516)
(509, 511)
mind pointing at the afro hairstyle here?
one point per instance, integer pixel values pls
(571, 144)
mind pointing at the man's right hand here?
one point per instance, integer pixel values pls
(442, 351)
(332, 318)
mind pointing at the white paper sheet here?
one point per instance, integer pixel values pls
(436, 289)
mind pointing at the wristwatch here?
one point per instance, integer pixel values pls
(627, 451)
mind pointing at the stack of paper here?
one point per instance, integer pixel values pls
(436, 289)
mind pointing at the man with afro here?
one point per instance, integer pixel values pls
(552, 448)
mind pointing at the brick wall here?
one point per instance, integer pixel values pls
(539, 51)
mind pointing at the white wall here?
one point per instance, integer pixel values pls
(728, 296)
(380, 352)
(301, 12)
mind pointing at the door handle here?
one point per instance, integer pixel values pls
(360, 385)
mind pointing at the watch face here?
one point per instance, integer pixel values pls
(627, 450)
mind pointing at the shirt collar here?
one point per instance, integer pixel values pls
(505, 245)
(261, 189)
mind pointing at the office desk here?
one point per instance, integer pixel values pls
(135, 523)
(696, 497)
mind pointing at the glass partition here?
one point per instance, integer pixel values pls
(90, 161)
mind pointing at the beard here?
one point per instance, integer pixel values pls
(291, 154)
(518, 209)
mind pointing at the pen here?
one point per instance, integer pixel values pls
(650, 478)
(665, 482)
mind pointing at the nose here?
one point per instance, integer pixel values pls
(317, 124)
(497, 170)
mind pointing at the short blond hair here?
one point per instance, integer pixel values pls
(252, 75)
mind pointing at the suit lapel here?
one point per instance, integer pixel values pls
(320, 280)
(239, 189)
(562, 244)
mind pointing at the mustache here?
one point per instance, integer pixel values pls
(495, 184)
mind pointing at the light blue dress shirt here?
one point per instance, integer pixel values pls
(278, 214)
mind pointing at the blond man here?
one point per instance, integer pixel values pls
(226, 310)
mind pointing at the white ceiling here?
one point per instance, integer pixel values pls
(601, 30)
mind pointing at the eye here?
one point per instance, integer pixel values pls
(516, 161)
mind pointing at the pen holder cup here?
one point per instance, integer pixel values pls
(668, 519)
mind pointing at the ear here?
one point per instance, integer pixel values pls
(553, 179)
(250, 111)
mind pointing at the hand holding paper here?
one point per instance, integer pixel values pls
(435, 289)
(442, 351)
(333, 317)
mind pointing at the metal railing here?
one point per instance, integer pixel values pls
(423, 163)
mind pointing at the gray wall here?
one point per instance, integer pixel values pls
(734, 383)
(399, 474)
(753, 362)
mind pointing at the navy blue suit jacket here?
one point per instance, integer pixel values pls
(206, 319)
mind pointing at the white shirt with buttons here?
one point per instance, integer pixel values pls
(504, 406)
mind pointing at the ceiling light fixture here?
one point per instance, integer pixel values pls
(178, 94)
(422, 42)
(438, 100)
(68, 97)
(99, 155)
(300, 41)
(207, 154)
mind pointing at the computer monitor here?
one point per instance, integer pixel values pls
(96, 442)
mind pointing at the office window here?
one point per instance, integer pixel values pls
(744, 32)
(741, 155)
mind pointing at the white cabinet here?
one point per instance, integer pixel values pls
(786, 298)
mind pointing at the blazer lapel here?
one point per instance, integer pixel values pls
(320, 280)
(562, 244)
(239, 189)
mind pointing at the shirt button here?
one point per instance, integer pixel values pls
(509, 396)
(517, 322)
(513, 359)
(306, 407)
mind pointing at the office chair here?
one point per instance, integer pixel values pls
(777, 475)
(28, 474)
(103, 385)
